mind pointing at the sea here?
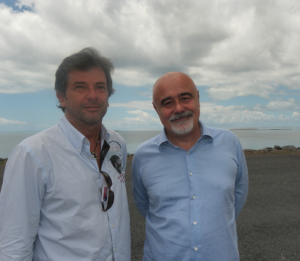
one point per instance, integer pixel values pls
(251, 138)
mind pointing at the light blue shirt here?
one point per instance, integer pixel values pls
(191, 199)
(50, 203)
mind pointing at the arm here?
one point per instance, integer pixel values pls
(241, 182)
(139, 192)
(20, 202)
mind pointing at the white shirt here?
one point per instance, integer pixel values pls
(50, 203)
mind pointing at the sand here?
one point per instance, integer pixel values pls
(268, 226)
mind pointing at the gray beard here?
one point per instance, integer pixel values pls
(182, 127)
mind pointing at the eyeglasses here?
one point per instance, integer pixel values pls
(108, 194)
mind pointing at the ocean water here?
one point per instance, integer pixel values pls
(8, 140)
(260, 138)
(249, 138)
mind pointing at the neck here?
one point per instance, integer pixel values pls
(90, 131)
(94, 138)
(185, 141)
(91, 134)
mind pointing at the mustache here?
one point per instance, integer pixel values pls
(180, 116)
(93, 103)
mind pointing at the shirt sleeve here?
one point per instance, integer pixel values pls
(241, 183)
(20, 202)
(139, 192)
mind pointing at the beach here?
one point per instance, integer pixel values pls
(269, 225)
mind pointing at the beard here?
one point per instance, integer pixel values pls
(88, 118)
(182, 127)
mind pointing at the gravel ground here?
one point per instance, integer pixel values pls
(269, 224)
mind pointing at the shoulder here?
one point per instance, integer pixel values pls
(113, 135)
(115, 138)
(224, 139)
(221, 133)
(151, 145)
(43, 139)
(37, 148)
(116, 143)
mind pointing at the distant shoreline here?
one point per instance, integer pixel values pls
(269, 150)
(258, 129)
(275, 150)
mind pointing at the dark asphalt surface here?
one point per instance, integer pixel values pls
(269, 224)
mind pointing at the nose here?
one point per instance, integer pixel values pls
(92, 94)
(178, 108)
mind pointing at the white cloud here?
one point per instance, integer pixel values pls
(142, 120)
(211, 113)
(235, 48)
(296, 115)
(4, 121)
(217, 114)
(146, 93)
(279, 105)
(235, 89)
(139, 105)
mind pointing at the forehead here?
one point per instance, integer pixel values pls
(173, 87)
(95, 74)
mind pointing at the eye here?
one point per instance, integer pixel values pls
(186, 98)
(101, 87)
(79, 87)
(167, 103)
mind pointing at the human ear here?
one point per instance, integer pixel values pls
(154, 106)
(61, 97)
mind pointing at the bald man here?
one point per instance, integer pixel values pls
(190, 182)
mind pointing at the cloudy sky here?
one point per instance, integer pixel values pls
(244, 57)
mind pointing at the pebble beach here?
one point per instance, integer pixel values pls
(268, 226)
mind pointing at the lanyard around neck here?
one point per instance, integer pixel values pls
(104, 150)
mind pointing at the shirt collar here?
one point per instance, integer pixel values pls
(74, 136)
(204, 133)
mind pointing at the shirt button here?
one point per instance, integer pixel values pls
(91, 157)
(113, 225)
(85, 141)
(188, 152)
(115, 250)
(194, 197)
(195, 223)
(191, 173)
(78, 149)
(195, 248)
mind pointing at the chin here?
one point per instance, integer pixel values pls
(183, 128)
